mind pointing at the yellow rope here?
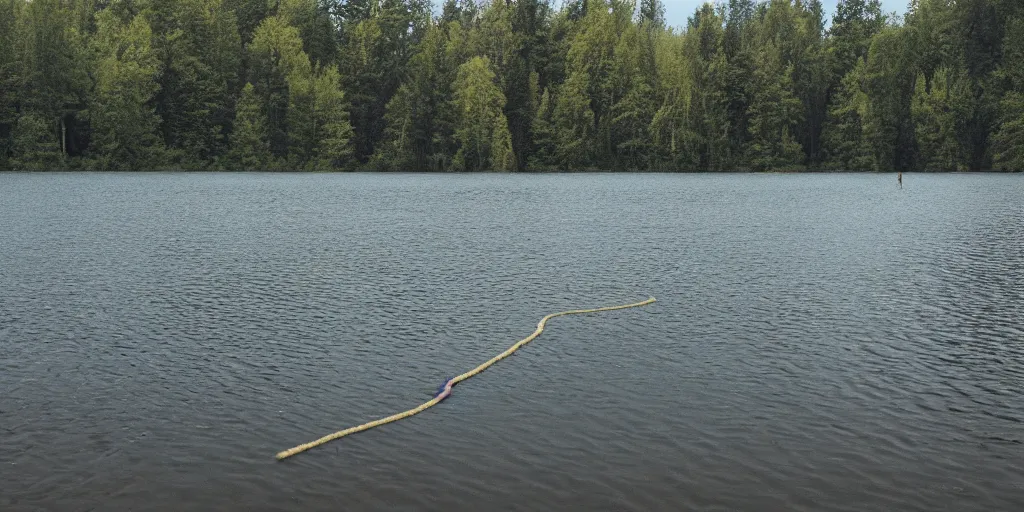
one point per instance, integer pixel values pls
(441, 396)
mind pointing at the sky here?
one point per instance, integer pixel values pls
(676, 11)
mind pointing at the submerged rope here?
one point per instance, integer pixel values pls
(446, 389)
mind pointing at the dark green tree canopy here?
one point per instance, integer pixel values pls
(510, 85)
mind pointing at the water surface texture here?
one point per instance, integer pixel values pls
(820, 342)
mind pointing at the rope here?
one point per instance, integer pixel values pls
(446, 389)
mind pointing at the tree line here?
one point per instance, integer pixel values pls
(509, 85)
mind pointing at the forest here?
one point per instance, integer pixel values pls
(510, 85)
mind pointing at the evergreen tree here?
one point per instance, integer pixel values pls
(403, 144)
(542, 158)
(674, 88)
(250, 148)
(308, 122)
(889, 83)
(592, 54)
(316, 30)
(372, 64)
(482, 129)
(332, 133)
(249, 14)
(591, 84)
(935, 124)
(199, 49)
(633, 87)
(35, 147)
(9, 78)
(125, 125)
(774, 113)
(853, 26)
(1008, 143)
(419, 123)
(1008, 139)
(706, 138)
(574, 123)
(502, 156)
(844, 146)
(811, 78)
(54, 73)
(740, 48)
(274, 54)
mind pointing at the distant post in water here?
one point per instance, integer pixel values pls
(899, 178)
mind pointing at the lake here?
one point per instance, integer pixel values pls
(821, 342)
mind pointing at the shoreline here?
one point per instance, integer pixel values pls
(589, 171)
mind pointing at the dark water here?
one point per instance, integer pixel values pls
(820, 342)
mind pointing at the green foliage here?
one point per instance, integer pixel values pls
(420, 119)
(633, 84)
(326, 85)
(9, 79)
(574, 123)
(1008, 142)
(542, 158)
(1008, 139)
(843, 137)
(53, 80)
(373, 58)
(811, 74)
(249, 14)
(250, 147)
(854, 25)
(502, 156)
(35, 147)
(674, 86)
(330, 138)
(774, 112)
(315, 28)
(482, 129)
(307, 117)
(200, 52)
(705, 138)
(125, 125)
(592, 54)
(889, 83)
(935, 123)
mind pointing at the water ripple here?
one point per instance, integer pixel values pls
(820, 343)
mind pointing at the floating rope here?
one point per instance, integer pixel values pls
(446, 389)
